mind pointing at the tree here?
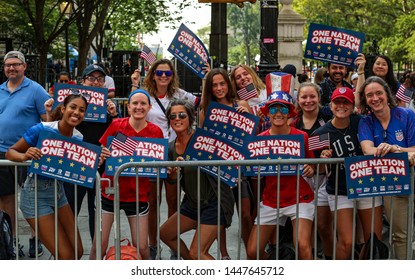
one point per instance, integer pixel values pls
(40, 22)
(374, 18)
(244, 26)
(127, 18)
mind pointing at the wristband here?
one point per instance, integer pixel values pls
(360, 73)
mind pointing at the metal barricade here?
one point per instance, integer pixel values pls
(220, 164)
(16, 165)
(236, 227)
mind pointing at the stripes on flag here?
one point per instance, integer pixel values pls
(148, 55)
(247, 92)
(124, 143)
(404, 94)
(318, 142)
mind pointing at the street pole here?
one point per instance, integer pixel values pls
(218, 43)
(68, 68)
(268, 39)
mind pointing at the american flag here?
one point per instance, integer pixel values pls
(148, 55)
(124, 143)
(319, 142)
(404, 94)
(247, 92)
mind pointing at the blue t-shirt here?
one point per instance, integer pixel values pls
(400, 130)
(32, 135)
(20, 110)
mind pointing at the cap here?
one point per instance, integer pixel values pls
(279, 97)
(343, 92)
(354, 76)
(92, 68)
(15, 54)
(290, 69)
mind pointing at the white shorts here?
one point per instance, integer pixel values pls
(322, 195)
(362, 203)
(268, 215)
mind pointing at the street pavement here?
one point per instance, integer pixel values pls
(232, 235)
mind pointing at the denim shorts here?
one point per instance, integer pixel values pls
(45, 197)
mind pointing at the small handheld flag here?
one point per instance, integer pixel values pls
(247, 92)
(124, 143)
(404, 94)
(148, 55)
(319, 142)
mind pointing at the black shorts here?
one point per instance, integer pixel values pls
(128, 207)
(7, 177)
(208, 212)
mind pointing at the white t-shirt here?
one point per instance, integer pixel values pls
(109, 83)
(256, 102)
(158, 117)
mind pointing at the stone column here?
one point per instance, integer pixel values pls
(290, 36)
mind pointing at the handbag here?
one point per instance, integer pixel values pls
(380, 249)
(128, 252)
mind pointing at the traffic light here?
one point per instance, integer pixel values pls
(240, 3)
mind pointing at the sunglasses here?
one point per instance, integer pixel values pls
(79, 93)
(63, 81)
(283, 110)
(181, 116)
(93, 79)
(160, 73)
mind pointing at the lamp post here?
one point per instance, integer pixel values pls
(65, 7)
(269, 38)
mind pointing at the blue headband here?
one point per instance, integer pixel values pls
(140, 91)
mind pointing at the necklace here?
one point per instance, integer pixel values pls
(342, 130)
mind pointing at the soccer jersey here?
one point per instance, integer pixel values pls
(127, 184)
(32, 135)
(288, 184)
(157, 116)
(400, 130)
(343, 143)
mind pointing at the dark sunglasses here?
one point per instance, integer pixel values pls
(283, 110)
(160, 73)
(180, 115)
(63, 81)
(83, 94)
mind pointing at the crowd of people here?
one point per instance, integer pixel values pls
(363, 116)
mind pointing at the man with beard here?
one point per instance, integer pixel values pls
(336, 79)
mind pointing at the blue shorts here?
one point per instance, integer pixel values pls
(45, 197)
(208, 212)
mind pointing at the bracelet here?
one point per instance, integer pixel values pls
(133, 85)
(360, 73)
(399, 148)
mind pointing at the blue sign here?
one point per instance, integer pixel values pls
(189, 50)
(145, 150)
(97, 97)
(227, 123)
(334, 45)
(275, 147)
(368, 176)
(66, 159)
(208, 146)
